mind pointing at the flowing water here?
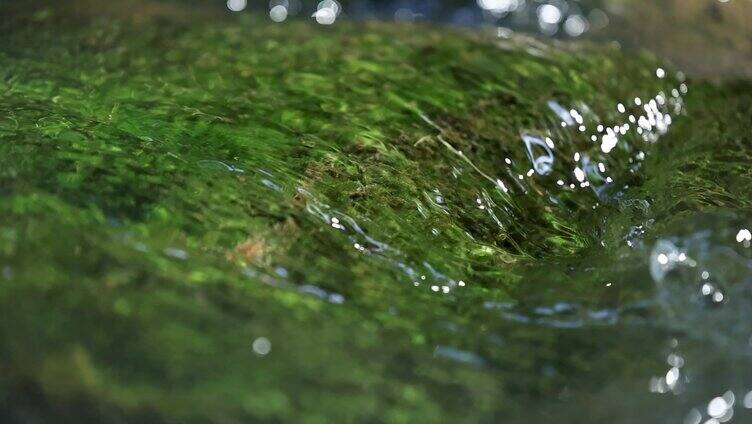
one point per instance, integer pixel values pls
(208, 215)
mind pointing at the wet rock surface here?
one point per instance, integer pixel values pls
(234, 220)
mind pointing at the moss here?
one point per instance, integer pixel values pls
(168, 194)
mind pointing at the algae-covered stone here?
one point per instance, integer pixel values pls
(229, 220)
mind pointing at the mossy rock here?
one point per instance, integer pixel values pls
(175, 190)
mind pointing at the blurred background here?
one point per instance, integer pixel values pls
(707, 38)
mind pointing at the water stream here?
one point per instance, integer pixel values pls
(239, 213)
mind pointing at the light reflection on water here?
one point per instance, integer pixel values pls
(596, 155)
(661, 25)
(700, 272)
(598, 164)
(549, 17)
(499, 190)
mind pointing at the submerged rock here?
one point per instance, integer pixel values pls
(179, 194)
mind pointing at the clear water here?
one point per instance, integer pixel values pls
(203, 219)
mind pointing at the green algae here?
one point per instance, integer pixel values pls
(168, 189)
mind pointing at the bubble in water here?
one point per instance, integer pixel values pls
(278, 13)
(262, 346)
(664, 258)
(540, 153)
(236, 5)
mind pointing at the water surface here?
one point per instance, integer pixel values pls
(210, 216)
